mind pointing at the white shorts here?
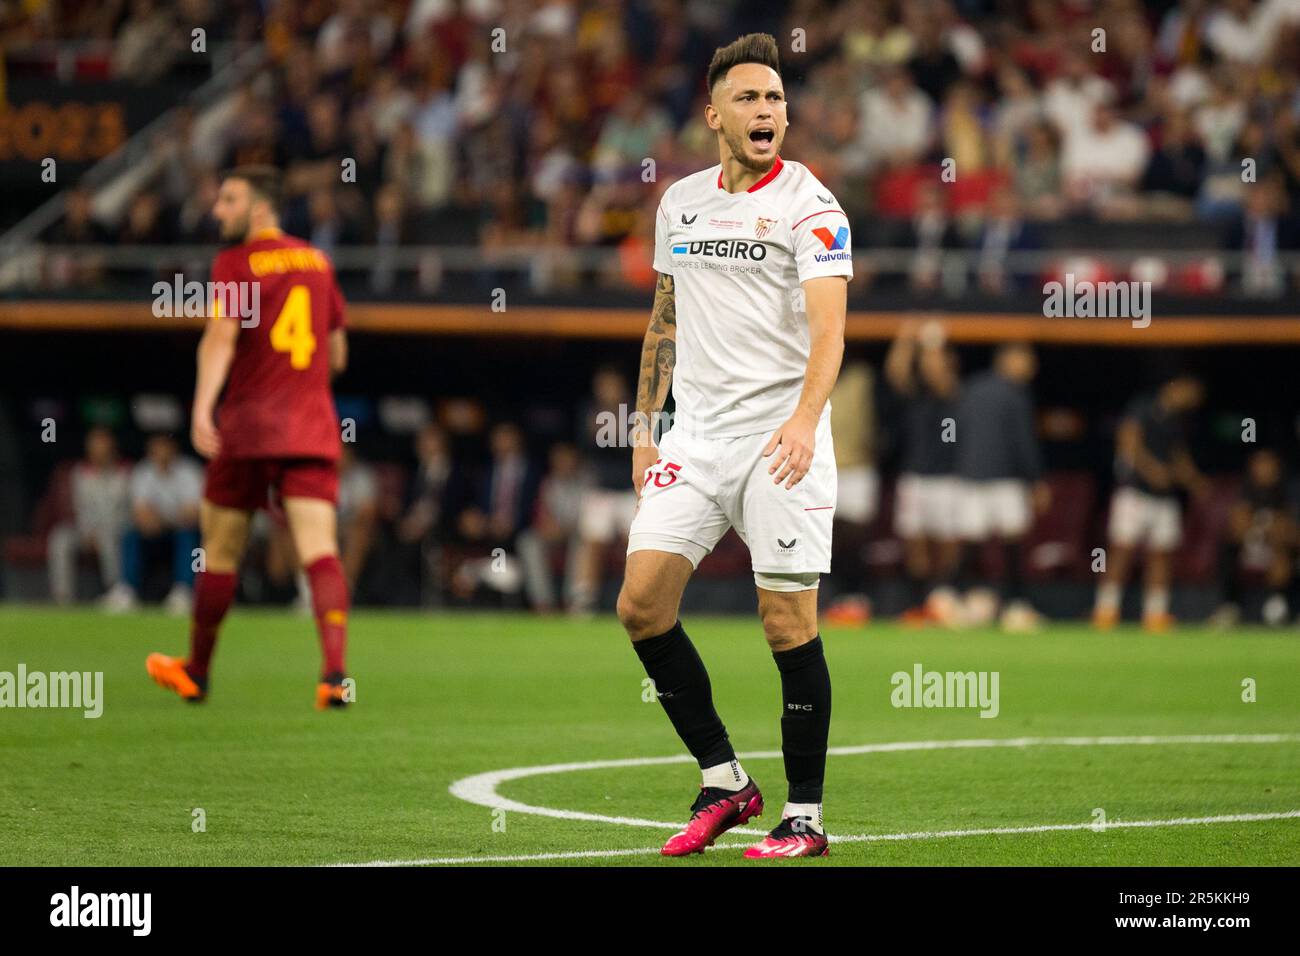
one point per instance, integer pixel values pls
(858, 494)
(988, 508)
(700, 487)
(925, 506)
(1140, 518)
(606, 515)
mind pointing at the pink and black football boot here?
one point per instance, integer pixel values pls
(714, 812)
(790, 839)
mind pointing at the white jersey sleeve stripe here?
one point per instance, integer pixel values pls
(821, 212)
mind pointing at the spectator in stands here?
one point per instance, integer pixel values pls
(165, 493)
(144, 221)
(1070, 99)
(895, 123)
(961, 130)
(327, 225)
(999, 466)
(930, 234)
(315, 160)
(1102, 163)
(364, 17)
(1175, 170)
(431, 502)
(1152, 462)
(100, 499)
(388, 235)
(1240, 31)
(79, 226)
(933, 64)
(146, 44)
(1261, 536)
(1004, 231)
(501, 507)
(1182, 31)
(609, 507)
(1262, 235)
(1016, 111)
(1037, 175)
(629, 136)
(434, 125)
(388, 104)
(555, 525)
(194, 222)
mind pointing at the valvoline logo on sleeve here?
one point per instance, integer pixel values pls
(832, 241)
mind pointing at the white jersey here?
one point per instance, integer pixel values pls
(737, 262)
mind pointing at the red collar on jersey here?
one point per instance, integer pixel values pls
(771, 175)
(271, 233)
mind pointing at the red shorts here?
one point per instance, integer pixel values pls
(252, 483)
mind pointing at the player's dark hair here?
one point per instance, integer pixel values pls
(263, 180)
(751, 48)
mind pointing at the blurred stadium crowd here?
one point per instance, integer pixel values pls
(543, 140)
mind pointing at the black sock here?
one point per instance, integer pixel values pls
(805, 718)
(918, 589)
(1013, 588)
(683, 687)
(1230, 572)
(963, 571)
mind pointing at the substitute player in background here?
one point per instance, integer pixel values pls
(276, 433)
(753, 259)
(1153, 464)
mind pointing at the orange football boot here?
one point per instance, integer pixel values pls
(330, 692)
(1105, 619)
(1158, 623)
(169, 672)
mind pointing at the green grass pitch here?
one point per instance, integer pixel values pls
(441, 697)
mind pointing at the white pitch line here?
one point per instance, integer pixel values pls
(481, 789)
(857, 838)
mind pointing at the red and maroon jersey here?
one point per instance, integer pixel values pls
(277, 401)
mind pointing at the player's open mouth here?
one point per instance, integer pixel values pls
(763, 137)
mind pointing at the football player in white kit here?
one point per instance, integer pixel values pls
(747, 327)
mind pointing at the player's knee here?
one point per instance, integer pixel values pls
(220, 555)
(311, 552)
(786, 626)
(640, 615)
(783, 630)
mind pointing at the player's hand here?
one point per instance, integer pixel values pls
(795, 440)
(643, 459)
(204, 436)
(1042, 497)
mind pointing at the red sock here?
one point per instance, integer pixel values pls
(329, 598)
(213, 592)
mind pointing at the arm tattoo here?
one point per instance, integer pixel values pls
(664, 314)
(658, 352)
(665, 361)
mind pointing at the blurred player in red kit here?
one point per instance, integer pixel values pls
(275, 338)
